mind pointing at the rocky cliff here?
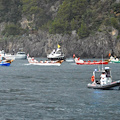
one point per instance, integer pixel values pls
(41, 43)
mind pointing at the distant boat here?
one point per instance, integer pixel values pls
(20, 55)
(2, 63)
(32, 61)
(105, 82)
(6, 55)
(56, 54)
(114, 60)
(79, 61)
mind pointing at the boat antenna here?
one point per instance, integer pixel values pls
(102, 61)
(102, 54)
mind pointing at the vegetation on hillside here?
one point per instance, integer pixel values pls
(84, 16)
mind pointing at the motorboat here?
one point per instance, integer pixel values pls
(6, 55)
(56, 54)
(79, 61)
(20, 55)
(33, 61)
(105, 82)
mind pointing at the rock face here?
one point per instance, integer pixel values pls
(42, 43)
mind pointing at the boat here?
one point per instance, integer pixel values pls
(33, 61)
(56, 54)
(2, 63)
(20, 55)
(105, 82)
(114, 60)
(6, 55)
(79, 61)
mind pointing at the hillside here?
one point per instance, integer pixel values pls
(92, 21)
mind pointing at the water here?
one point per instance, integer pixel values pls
(30, 92)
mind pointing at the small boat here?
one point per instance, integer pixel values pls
(32, 61)
(105, 82)
(2, 63)
(79, 61)
(114, 60)
(6, 60)
(56, 54)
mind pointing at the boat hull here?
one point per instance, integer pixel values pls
(45, 64)
(56, 58)
(91, 63)
(113, 85)
(114, 61)
(4, 64)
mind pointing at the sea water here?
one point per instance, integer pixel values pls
(30, 92)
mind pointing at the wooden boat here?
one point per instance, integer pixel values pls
(79, 61)
(103, 83)
(32, 61)
(3, 59)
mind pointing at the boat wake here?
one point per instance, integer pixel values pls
(69, 60)
(27, 64)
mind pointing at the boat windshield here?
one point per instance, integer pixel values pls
(21, 53)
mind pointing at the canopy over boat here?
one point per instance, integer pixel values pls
(105, 82)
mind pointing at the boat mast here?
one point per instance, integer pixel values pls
(102, 61)
(102, 54)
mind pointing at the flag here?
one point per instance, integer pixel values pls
(58, 46)
(79, 58)
(109, 55)
(27, 55)
(73, 55)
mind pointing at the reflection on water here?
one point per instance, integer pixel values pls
(55, 93)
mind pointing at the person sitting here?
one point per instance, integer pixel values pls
(103, 78)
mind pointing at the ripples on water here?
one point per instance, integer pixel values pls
(30, 92)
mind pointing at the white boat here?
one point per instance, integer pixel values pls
(20, 55)
(6, 55)
(56, 54)
(32, 61)
(105, 82)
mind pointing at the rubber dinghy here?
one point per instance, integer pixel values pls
(105, 83)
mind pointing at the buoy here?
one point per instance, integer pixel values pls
(93, 78)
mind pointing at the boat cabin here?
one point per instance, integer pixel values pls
(97, 76)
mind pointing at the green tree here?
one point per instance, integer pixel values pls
(10, 10)
(13, 29)
(83, 31)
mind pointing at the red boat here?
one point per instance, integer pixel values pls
(79, 61)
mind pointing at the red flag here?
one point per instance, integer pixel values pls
(78, 58)
(73, 55)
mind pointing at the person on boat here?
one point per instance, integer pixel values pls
(41, 61)
(46, 61)
(103, 78)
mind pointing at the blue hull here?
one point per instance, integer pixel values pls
(4, 64)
